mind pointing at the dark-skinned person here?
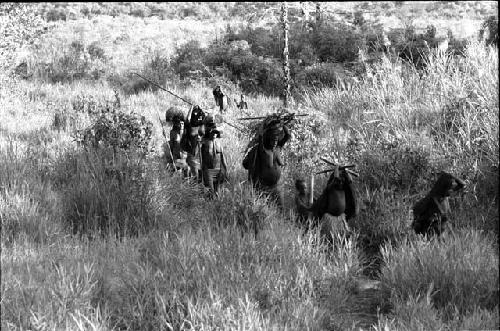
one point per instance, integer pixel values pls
(191, 140)
(334, 208)
(431, 213)
(264, 162)
(214, 169)
(178, 154)
(220, 99)
(302, 204)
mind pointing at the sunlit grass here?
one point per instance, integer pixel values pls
(193, 262)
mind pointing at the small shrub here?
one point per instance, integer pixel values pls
(55, 14)
(489, 30)
(85, 10)
(75, 62)
(96, 51)
(337, 43)
(117, 130)
(319, 75)
(188, 57)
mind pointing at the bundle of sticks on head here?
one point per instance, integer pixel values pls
(347, 168)
(257, 129)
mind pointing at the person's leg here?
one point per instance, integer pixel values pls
(276, 195)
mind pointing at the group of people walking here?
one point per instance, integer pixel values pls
(196, 151)
(195, 148)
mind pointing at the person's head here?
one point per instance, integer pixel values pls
(178, 124)
(445, 185)
(300, 185)
(197, 116)
(212, 133)
(271, 136)
(218, 91)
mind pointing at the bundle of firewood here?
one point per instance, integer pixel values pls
(258, 128)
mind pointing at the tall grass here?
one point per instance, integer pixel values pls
(183, 261)
(452, 277)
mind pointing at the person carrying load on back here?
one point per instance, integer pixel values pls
(431, 213)
(191, 139)
(263, 160)
(213, 165)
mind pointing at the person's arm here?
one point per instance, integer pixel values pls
(439, 206)
(286, 137)
(460, 184)
(188, 116)
(278, 159)
(175, 136)
(223, 160)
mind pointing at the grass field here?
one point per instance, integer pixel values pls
(183, 262)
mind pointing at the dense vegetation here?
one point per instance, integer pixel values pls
(96, 234)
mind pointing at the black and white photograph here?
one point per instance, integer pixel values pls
(249, 166)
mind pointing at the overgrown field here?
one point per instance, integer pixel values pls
(83, 248)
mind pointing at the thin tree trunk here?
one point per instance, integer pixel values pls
(286, 65)
(311, 190)
(318, 15)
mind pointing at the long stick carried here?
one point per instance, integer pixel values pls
(168, 145)
(311, 195)
(164, 89)
(175, 95)
(262, 117)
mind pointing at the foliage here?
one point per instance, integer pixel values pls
(337, 43)
(157, 68)
(78, 61)
(55, 14)
(319, 75)
(116, 129)
(21, 27)
(188, 57)
(183, 261)
(489, 30)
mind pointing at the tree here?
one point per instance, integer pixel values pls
(21, 26)
(286, 64)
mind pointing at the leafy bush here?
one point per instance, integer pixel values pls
(337, 43)
(489, 30)
(319, 75)
(117, 130)
(140, 10)
(254, 73)
(96, 51)
(107, 190)
(56, 14)
(188, 57)
(75, 62)
(22, 26)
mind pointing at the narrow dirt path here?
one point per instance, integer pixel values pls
(366, 301)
